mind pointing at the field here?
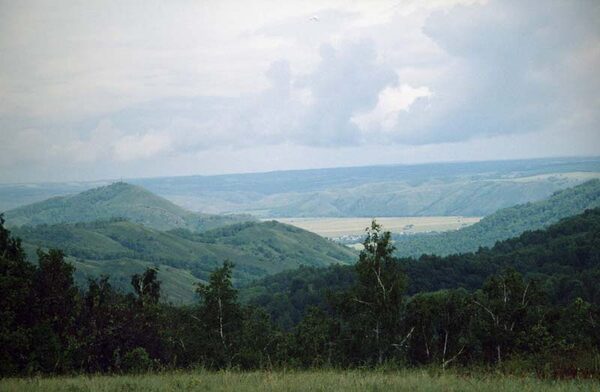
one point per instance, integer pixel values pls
(349, 227)
(323, 380)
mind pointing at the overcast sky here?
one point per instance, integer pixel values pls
(96, 90)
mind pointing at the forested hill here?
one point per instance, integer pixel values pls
(119, 248)
(505, 223)
(565, 256)
(118, 200)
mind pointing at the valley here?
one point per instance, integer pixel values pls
(347, 230)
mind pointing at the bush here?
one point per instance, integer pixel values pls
(137, 361)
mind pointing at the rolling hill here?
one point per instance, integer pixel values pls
(503, 224)
(118, 200)
(120, 248)
(459, 188)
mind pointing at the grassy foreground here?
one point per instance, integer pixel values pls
(405, 380)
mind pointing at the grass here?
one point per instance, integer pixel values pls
(322, 380)
(339, 227)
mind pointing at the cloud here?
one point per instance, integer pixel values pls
(110, 87)
(141, 146)
(391, 101)
(511, 69)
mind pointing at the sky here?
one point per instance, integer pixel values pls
(122, 89)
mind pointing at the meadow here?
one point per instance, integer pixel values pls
(321, 380)
(343, 227)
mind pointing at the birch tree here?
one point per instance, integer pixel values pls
(379, 292)
(221, 314)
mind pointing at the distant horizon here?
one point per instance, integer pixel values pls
(126, 179)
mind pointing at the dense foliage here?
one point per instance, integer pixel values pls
(566, 257)
(503, 224)
(511, 320)
(121, 248)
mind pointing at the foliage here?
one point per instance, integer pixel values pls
(121, 248)
(372, 308)
(503, 224)
(220, 315)
(137, 361)
(512, 322)
(565, 257)
(147, 287)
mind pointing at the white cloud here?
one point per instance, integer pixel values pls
(390, 102)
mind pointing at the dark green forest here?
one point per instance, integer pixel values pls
(565, 258)
(527, 304)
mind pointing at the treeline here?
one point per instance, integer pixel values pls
(565, 257)
(47, 325)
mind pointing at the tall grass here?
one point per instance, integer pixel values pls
(321, 380)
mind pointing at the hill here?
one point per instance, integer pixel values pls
(503, 224)
(118, 200)
(120, 248)
(566, 256)
(459, 188)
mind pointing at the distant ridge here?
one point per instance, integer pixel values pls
(432, 189)
(118, 200)
(503, 224)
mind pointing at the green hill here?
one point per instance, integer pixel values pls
(503, 224)
(119, 200)
(120, 248)
(451, 188)
(566, 256)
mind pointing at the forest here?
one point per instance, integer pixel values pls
(504, 308)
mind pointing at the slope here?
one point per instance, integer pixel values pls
(118, 200)
(503, 224)
(459, 188)
(119, 247)
(565, 256)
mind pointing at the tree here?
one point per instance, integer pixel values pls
(17, 304)
(508, 306)
(221, 314)
(58, 300)
(441, 325)
(314, 338)
(378, 293)
(147, 286)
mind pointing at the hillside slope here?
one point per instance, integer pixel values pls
(566, 255)
(503, 224)
(118, 248)
(459, 188)
(118, 200)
